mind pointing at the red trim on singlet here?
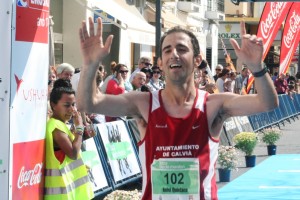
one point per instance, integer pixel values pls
(178, 132)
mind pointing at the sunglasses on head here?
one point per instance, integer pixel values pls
(156, 72)
(147, 64)
(123, 71)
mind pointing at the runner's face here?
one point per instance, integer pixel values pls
(178, 60)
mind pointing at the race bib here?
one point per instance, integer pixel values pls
(175, 179)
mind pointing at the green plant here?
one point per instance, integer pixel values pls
(246, 142)
(228, 157)
(271, 135)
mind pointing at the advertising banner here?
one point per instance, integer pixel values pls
(92, 160)
(28, 180)
(29, 90)
(119, 150)
(271, 19)
(290, 37)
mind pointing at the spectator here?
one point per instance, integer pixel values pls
(118, 85)
(275, 76)
(148, 73)
(144, 62)
(241, 80)
(155, 82)
(65, 71)
(223, 76)
(182, 124)
(51, 79)
(111, 76)
(63, 148)
(205, 80)
(218, 69)
(281, 84)
(100, 76)
(138, 81)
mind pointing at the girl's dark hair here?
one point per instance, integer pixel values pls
(60, 87)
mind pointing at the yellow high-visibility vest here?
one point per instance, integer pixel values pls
(68, 180)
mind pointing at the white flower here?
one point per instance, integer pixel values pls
(228, 157)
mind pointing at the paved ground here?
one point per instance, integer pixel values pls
(288, 144)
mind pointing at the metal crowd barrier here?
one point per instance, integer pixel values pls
(105, 168)
(288, 109)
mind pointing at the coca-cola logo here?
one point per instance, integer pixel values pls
(293, 29)
(275, 11)
(30, 177)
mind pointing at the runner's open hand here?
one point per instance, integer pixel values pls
(92, 46)
(251, 50)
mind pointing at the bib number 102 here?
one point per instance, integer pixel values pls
(174, 178)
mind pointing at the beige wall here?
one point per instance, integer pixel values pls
(73, 14)
(242, 8)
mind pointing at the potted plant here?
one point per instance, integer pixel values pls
(246, 142)
(270, 136)
(122, 194)
(227, 160)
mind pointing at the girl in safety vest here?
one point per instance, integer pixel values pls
(65, 175)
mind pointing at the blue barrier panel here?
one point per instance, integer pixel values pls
(290, 100)
(254, 121)
(288, 105)
(283, 108)
(274, 118)
(265, 121)
(296, 101)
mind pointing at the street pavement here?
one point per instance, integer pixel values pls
(289, 143)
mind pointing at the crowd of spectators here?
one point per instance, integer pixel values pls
(227, 79)
(145, 78)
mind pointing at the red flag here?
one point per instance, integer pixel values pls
(271, 19)
(290, 37)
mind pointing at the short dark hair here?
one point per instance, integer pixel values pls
(178, 29)
(118, 67)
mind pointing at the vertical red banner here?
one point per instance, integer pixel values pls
(28, 170)
(290, 37)
(271, 19)
(32, 21)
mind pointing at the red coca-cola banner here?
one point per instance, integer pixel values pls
(271, 19)
(28, 169)
(290, 37)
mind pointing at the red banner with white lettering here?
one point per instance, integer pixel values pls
(271, 19)
(290, 37)
(28, 178)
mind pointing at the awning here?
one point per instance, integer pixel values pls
(139, 31)
(168, 18)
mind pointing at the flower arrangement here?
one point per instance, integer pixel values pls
(228, 157)
(246, 142)
(271, 135)
(124, 195)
